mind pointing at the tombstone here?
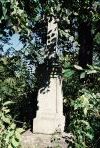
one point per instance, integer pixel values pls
(49, 116)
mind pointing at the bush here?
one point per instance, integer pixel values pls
(9, 133)
(82, 100)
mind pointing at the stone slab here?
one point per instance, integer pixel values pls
(30, 140)
(48, 124)
(49, 116)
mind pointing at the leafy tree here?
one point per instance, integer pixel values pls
(9, 133)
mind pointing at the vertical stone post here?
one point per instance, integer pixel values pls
(50, 114)
(52, 37)
(50, 98)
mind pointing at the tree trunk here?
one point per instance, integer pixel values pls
(86, 44)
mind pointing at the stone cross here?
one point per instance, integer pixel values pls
(49, 116)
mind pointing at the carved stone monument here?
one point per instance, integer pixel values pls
(50, 99)
(49, 117)
(50, 114)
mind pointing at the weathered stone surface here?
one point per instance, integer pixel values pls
(50, 99)
(50, 114)
(30, 140)
(52, 37)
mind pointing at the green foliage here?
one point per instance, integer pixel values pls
(9, 134)
(17, 79)
(85, 107)
(83, 101)
(17, 82)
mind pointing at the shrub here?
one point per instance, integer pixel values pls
(9, 133)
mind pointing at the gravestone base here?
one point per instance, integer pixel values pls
(30, 140)
(48, 123)
(49, 117)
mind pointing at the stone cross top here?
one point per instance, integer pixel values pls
(49, 116)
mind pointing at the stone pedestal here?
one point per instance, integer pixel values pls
(30, 140)
(49, 116)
